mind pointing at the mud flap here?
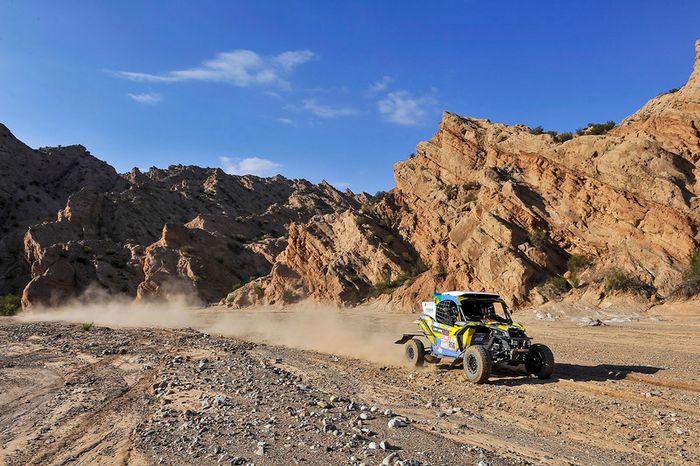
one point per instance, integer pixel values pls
(406, 337)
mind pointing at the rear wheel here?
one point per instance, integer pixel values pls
(415, 352)
(477, 364)
(540, 361)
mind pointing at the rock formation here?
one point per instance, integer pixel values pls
(481, 205)
(502, 208)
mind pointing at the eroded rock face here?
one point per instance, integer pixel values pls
(339, 258)
(496, 208)
(181, 230)
(486, 206)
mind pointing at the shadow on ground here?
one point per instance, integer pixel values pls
(574, 372)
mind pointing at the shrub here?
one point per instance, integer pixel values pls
(555, 287)
(257, 290)
(673, 90)
(451, 191)
(577, 262)
(537, 237)
(537, 130)
(86, 326)
(406, 256)
(420, 267)
(439, 270)
(600, 128)
(288, 296)
(470, 197)
(87, 249)
(563, 137)
(9, 305)
(387, 285)
(471, 185)
(186, 251)
(619, 279)
(388, 239)
(198, 278)
(690, 284)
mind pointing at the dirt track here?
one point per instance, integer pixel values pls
(623, 393)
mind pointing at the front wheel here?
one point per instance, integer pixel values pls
(540, 361)
(477, 364)
(415, 352)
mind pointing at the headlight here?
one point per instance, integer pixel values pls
(499, 333)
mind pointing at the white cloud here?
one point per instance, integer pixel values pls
(326, 111)
(240, 68)
(381, 85)
(147, 98)
(286, 121)
(341, 185)
(402, 108)
(250, 166)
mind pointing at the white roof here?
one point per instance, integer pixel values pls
(460, 293)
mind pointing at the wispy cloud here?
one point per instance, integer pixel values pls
(240, 68)
(146, 98)
(381, 85)
(286, 121)
(250, 166)
(402, 108)
(341, 185)
(327, 111)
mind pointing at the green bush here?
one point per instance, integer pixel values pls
(86, 326)
(451, 191)
(387, 285)
(10, 305)
(388, 239)
(555, 287)
(469, 197)
(420, 267)
(690, 284)
(537, 237)
(471, 185)
(186, 251)
(288, 296)
(577, 262)
(673, 90)
(537, 130)
(619, 279)
(563, 137)
(600, 128)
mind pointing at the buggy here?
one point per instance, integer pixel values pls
(476, 329)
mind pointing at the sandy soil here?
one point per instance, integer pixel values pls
(623, 393)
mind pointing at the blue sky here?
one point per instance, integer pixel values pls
(323, 90)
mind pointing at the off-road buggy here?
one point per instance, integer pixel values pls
(477, 329)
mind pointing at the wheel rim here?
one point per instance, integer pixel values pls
(472, 364)
(535, 361)
(410, 353)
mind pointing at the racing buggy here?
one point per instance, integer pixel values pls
(476, 329)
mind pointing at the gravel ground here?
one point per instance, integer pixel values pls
(622, 393)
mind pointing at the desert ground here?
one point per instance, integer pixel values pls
(270, 387)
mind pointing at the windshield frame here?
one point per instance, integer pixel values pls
(485, 300)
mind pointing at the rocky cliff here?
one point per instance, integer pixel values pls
(482, 205)
(509, 209)
(71, 224)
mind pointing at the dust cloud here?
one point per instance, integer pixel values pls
(362, 333)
